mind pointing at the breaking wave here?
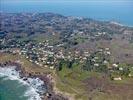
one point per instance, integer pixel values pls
(34, 84)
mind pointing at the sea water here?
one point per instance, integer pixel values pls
(12, 87)
(121, 11)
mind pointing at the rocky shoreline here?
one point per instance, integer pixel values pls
(46, 94)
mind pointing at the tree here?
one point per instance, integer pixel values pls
(125, 72)
(60, 64)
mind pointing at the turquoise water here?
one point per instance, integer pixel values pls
(12, 89)
(110, 11)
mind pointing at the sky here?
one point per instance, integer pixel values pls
(117, 2)
(67, 0)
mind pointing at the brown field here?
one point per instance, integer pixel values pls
(104, 90)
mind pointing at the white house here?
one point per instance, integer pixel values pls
(117, 78)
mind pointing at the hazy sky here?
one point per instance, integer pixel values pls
(68, 0)
(117, 2)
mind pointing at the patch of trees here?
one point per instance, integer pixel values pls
(125, 72)
(89, 66)
(96, 65)
(65, 63)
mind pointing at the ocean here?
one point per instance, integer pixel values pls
(12, 87)
(120, 12)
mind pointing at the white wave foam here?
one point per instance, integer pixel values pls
(9, 71)
(34, 84)
(116, 23)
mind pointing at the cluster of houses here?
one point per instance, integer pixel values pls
(125, 69)
(46, 55)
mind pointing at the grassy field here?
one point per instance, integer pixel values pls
(71, 81)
